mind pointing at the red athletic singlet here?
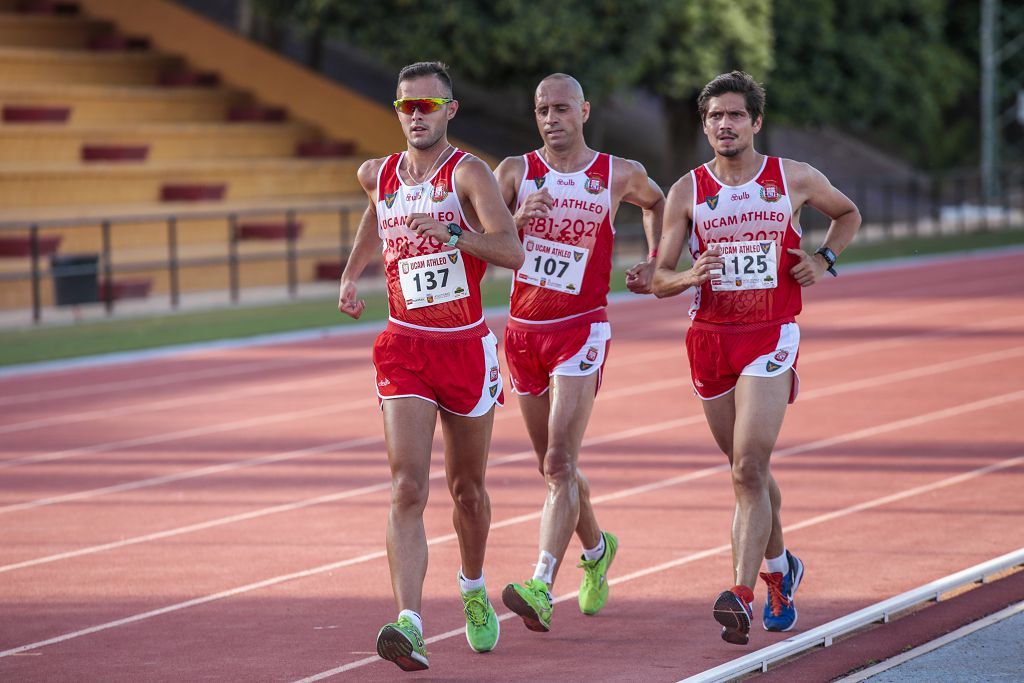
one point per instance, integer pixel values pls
(441, 292)
(569, 251)
(756, 214)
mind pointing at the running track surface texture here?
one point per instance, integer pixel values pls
(220, 514)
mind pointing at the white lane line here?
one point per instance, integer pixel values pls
(258, 421)
(710, 552)
(256, 368)
(978, 405)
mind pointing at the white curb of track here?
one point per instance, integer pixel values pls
(824, 634)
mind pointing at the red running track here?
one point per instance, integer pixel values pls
(220, 514)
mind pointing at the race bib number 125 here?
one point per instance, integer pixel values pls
(433, 279)
(748, 265)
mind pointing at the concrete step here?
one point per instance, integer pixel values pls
(113, 105)
(67, 67)
(55, 143)
(26, 186)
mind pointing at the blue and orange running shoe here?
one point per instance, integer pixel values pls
(733, 611)
(779, 608)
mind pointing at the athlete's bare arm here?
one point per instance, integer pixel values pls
(537, 204)
(674, 234)
(367, 243)
(807, 185)
(638, 189)
(484, 207)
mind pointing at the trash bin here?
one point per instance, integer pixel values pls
(75, 278)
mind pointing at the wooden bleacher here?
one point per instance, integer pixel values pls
(119, 124)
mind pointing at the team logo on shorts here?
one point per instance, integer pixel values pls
(389, 199)
(770, 191)
(453, 256)
(772, 367)
(585, 366)
(592, 353)
(577, 255)
(712, 201)
(539, 182)
(594, 185)
(440, 191)
(494, 391)
(782, 355)
(494, 374)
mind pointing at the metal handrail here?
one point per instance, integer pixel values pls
(879, 612)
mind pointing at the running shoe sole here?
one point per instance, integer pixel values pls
(393, 646)
(517, 604)
(735, 621)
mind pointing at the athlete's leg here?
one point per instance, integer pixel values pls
(536, 412)
(760, 407)
(408, 429)
(466, 444)
(721, 416)
(572, 400)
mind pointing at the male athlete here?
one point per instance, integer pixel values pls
(739, 214)
(565, 196)
(440, 219)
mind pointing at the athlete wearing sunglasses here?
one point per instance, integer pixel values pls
(441, 218)
(425, 105)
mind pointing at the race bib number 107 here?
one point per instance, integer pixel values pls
(748, 265)
(433, 279)
(553, 265)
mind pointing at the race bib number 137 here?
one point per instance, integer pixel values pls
(433, 279)
(748, 265)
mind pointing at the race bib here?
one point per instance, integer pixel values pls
(433, 279)
(553, 265)
(748, 265)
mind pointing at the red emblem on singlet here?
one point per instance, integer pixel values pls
(440, 191)
(770, 191)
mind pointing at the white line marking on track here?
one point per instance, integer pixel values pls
(978, 405)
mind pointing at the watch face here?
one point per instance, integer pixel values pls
(454, 229)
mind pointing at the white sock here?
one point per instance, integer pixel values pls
(468, 585)
(414, 617)
(778, 564)
(545, 570)
(596, 552)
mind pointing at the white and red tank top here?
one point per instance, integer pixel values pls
(756, 213)
(569, 251)
(437, 197)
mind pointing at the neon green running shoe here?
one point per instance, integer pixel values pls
(482, 627)
(594, 589)
(402, 643)
(531, 601)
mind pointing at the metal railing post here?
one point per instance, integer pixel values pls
(233, 257)
(108, 269)
(290, 235)
(37, 306)
(172, 261)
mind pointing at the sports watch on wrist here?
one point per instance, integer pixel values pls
(830, 259)
(456, 232)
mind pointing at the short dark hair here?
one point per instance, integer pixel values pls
(738, 82)
(419, 69)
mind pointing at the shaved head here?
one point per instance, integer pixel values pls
(576, 90)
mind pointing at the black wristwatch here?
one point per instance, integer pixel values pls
(830, 259)
(456, 232)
